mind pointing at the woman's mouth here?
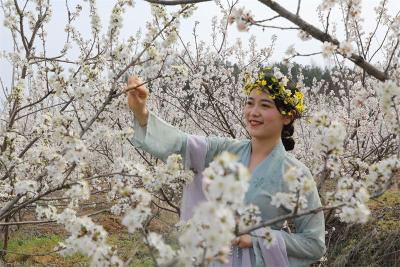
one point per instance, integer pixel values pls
(254, 123)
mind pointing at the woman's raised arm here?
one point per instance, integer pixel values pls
(137, 94)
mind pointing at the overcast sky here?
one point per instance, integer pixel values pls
(137, 16)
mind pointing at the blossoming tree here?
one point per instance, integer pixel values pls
(65, 126)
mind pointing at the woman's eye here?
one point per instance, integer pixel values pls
(249, 103)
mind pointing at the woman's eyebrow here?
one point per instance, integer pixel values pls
(267, 100)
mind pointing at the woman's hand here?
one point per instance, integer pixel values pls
(243, 241)
(137, 99)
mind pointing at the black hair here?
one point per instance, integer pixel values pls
(286, 136)
(287, 130)
(273, 87)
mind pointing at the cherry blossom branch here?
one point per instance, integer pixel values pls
(177, 209)
(392, 55)
(303, 25)
(50, 221)
(323, 37)
(298, 7)
(175, 2)
(287, 217)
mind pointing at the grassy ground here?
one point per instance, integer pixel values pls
(129, 245)
(34, 245)
(375, 244)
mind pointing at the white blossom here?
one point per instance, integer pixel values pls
(327, 4)
(166, 253)
(328, 49)
(345, 48)
(226, 180)
(25, 186)
(304, 36)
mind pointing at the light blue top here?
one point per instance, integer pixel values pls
(303, 246)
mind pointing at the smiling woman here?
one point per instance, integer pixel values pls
(272, 106)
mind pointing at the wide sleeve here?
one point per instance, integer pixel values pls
(159, 138)
(307, 244)
(274, 254)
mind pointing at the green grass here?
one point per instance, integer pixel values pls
(39, 245)
(132, 246)
(374, 244)
(33, 240)
(128, 246)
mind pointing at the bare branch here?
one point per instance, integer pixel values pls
(286, 217)
(275, 27)
(175, 2)
(269, 19)
(323, 37)
(298, 7)
(391, 56)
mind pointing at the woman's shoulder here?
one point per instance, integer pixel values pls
(291, 161)
(228, 143)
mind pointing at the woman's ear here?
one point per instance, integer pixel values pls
(287, 119)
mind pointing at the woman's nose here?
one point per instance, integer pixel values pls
(254, 111)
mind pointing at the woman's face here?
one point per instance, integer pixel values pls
(263, 119)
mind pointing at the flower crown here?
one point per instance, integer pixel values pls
(288, 98)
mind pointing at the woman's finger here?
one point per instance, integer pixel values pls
(235, 241)
(131, 88)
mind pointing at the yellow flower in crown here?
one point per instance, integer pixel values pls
(286, 96)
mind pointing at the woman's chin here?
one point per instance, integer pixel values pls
(255, 133)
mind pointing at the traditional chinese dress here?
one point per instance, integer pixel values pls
(301, 248)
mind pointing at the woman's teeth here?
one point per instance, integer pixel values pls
(254, 123)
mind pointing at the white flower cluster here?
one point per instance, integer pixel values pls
(304, 36)
(389, 98)
(328, 140)
(25, 186)
(345, 48)
(105, 133)
(395, 26)
(327, 4)
(242, 18)
(226, 181)
(124, 182)
(87, 238)
(6, 190)
(139, 212)
(165, 252)
(46, 212)
(210, 232)
(354, 8)
(291, 51)
(249, 216)
(94, 17)
(208, 235)
(170, 32)
(75, 150)
(10, 21)
(116, 18)
(78, 191)
(299, 185)
(56, 167)
(328, 49)
(380, 173)
(268, 236)
(170, 174)
(353, 195)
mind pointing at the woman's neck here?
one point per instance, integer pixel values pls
(262, 147)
